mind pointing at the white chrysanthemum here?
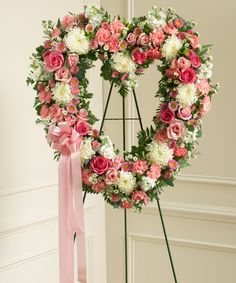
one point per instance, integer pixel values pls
(126, 182)
(95, 14)
(147, 183)
(86, 150)
(123, 63)
(205, 71)
(156, 18)
(187, 94)
(160, 153)
(171, 47)
(62, 93)
(77, 42)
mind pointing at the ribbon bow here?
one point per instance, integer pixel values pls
(71, 215)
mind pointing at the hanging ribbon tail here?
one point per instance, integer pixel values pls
(71, 218)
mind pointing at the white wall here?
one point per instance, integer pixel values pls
(28, 174)
(200, 212)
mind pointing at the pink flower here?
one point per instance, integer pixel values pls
(111, 176)
(55, 112)
(83, 114)
(95, 145)
(183, 63)
(194, 41)
(171, 29)
(71, 108)
(153, 53)
(74, 70)
(206, 105)
(68, 21)
(157, 36)
(63, 75)
(82, 127)
(140, 166)
(176, 130)
(99, 164)
(115, 74)
(126, 166)
(173, 73)
(173, 164)
(126, 204)
(123, 44)
(180, 152)
(124, 77)
(74, 82)
(75, 90)
(40, 86)
(139, 56)
(56, 32)
(53, 60)
(173, 105)
(116, 26)
(204, 87)
(194, 58)
(138, 196)
(86, 174)
(167, 116)
(115, 198)
(51, 83)
(73, 59)
(131, 38)
(95, 133)
(61, 47)
(103, 36)
(118, 161)
(45, 97)
(99, 187)
(143, 39)
(188, 75)
(168, 174)
(161, 136)
(113, 45)
(137, 31)
(93, 44)
(44, 112)
(47, 44)
(105, 25)
(70, 120)
(185, 113)
(154, 172)
(178, 23)
(89, 28)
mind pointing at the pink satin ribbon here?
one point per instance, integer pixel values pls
(71, 213)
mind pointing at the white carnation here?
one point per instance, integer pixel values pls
(156, 18)
(62, 93)
(171, 47)
(205, 71)
(126, 182)
(123, 63)
(187, 94)
(77, 42)
(86, 150)
(160, 153)
(147, 183)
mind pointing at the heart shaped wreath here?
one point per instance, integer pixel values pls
(58, 74)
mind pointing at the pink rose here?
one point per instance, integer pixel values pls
(183, 63)
(161, 136)
(116, 26)
(138, 196)
(111, 176)
(103, 36)
(70, 120)
(83, 114)
(55, 112)
(53, 60)
(194, 58)
(143, 39)
(206, 105)
(118, 161)
(154, 172)
(185, 113)
(140, 166)
(68, 21)
(131, 38)
(99, 164)
(73, 59)
(45, 97)
(139, 56)
(176, 130)
(113, 45)
(157, 36)
(99, 187)
(167, 116)
(171, 29)
(82, 127)
(63, 75)
(188, 75)
(56, 32)
(204, 87)
(153, 54)
(178, 23)
(44, 111)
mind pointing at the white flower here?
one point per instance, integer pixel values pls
(160, 153)
(62, 93)
(77, 42)
(187, 94)
(126, 182)
(123, 63)
(205, 71)
(156, 18)
(86, 150)
(95, 14)
(147, 183)
(107, 151)
(171, 47)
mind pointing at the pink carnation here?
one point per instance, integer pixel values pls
(157, 36)
(140, 166)
(116, 26)
(139, 56)
(99, 187)
(161, 136)
(206, 105)
(113, 45)
(45, 97)
(44, 111)
(138, 196)
(171, 29)
(55, 112)
(154, 172)
(86, 174)
(153, 53)
(126, 204)
(103, 36)
(68, 21)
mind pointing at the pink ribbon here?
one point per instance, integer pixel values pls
(71, 214)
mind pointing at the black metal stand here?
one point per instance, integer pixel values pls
(124, 119)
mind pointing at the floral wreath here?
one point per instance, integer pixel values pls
(126, 49)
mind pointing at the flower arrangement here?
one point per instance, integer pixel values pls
(126, 49)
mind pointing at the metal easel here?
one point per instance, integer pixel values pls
(123, 119)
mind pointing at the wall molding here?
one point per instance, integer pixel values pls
(218, 180)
